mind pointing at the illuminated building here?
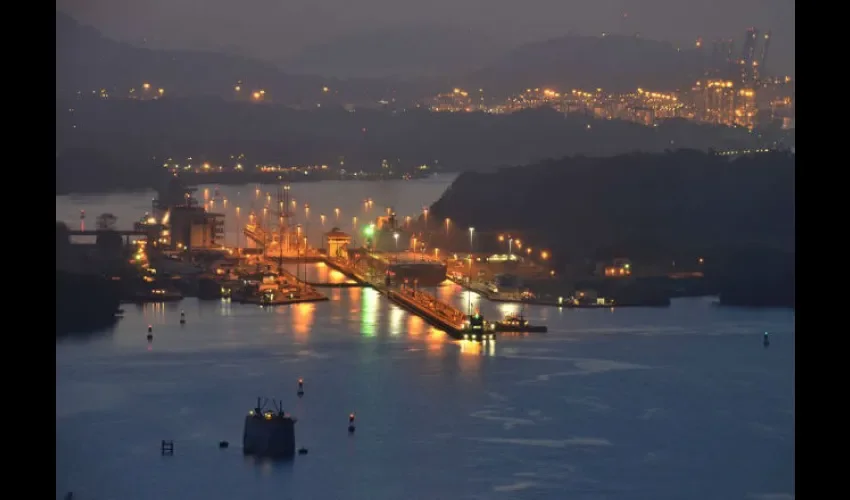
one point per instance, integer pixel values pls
(455, 101)
(745, 109)
(338, 242)
(195, 228)
(715, 101)
(534, 98)
(748, 62)
(646, 106)
(617, 268)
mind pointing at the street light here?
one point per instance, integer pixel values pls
(448, 223)
(336, 211)
(238, 228)
(469, 282)
(395, 237)
(323, 219)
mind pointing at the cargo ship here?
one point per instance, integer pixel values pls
(413, 268)
(397, 253)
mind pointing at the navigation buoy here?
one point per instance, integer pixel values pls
(182, 318)
(766, 339)
(351, 423)
(150, 328)
(302, 451)
(300, 387)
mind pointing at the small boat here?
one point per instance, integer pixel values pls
(157, 295)
(517, 323)
(475, 328)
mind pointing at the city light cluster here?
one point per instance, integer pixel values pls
(715, 101)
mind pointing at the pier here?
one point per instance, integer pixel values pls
(439, 314)
(429, 308)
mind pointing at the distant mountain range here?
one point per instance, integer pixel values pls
(612, 62)
(416, 52)
(439, 58)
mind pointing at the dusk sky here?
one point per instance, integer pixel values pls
(273, 30)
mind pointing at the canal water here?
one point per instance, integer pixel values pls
(338, 201)
(671, 403)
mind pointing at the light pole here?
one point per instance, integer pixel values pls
(471, 251)
(395, 237)
(238, 229)
(298, 258)
(469, 282)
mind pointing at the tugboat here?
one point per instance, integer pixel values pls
(476, 329)
(517, 323)
(157, 295)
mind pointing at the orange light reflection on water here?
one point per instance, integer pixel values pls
(303, 316)
(415, 325)
(154, 312)
(436, 340)
(477, 349)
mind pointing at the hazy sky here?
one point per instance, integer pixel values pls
(274, 29)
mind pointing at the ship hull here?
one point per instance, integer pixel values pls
(427, 275)
(424, 273)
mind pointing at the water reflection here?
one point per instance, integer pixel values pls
(471, 301)
(369, 312)
(396, 319)
(153, 312)
(317, 273)
(354, 295)
(436, 340)
(472, 348)
(415, 325)
(226, 307)
(302, 319)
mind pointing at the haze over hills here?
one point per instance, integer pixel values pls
(615, 63)
(403, 53)
(85, 60)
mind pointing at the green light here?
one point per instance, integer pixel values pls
(369, 230)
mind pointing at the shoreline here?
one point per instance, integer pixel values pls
(198, 180)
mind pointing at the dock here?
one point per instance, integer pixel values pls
(437, 313)
(444, 316)
(560, 302)
(482, 290)
(305, 293)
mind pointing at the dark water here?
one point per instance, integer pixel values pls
(407, 198)
(678, 403)
(635, 403)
